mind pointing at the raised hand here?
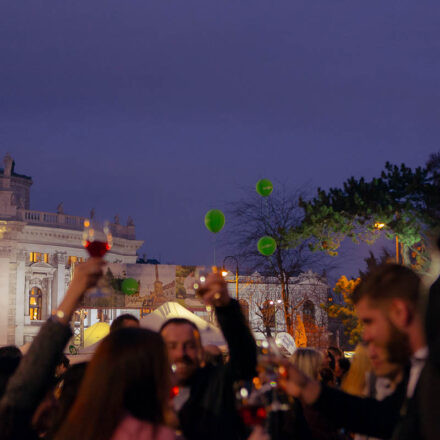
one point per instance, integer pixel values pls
(214, 291)
(297, 384)
(86, 276)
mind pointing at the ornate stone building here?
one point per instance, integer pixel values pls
(37, 250)
(260, 298)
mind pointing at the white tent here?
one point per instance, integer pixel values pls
(210, 334)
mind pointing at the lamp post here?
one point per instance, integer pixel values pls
(381, 226)
(225, 272)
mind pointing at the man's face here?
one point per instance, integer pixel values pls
(379, 361)
(379, 333)
(184, 350)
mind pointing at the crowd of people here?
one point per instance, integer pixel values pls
(165, 385)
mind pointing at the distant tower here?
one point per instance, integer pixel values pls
(14, 190)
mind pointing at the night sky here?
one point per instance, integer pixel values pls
(164, 109)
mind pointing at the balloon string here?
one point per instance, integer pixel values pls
(215, 242)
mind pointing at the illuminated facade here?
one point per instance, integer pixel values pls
(37, 250)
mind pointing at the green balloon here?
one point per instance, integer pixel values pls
(267, 246)
(130, 286)
(264, 187)
(214, 220)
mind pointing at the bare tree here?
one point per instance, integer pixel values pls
(276, 216)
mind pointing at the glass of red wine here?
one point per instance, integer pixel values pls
(251, 404)
(97, 240)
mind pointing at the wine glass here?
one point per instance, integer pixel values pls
(251, 403)
(97, 240)
(269, 368)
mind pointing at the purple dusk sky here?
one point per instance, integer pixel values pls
(163, 109)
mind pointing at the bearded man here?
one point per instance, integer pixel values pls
(387, 302)
(205, 404)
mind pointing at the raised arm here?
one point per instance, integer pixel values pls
(29, 383)
(356, 414)
(241, 343)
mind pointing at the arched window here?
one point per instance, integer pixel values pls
(35, 303)
(244, 308)
(309, 312)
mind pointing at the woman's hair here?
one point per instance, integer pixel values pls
(308, 360)
(128, 373)
(327, 377)
(10, 357)
(355, 380)
(66, 392)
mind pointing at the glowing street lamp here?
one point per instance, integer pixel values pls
(380, 226)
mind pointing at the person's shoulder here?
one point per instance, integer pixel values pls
(131, 427)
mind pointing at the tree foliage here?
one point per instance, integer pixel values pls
(300, 332)
(277, 216)
(405, 201)
(344, 308)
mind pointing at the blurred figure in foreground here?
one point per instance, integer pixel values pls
(34, 375)
(371, 375)
(205, 402)
(10, 357)
(124, 392)
(388, 303)
(355, 381)
(309, 362)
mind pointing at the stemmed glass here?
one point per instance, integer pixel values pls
(97, 240)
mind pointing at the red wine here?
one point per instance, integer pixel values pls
(174, 391)
(97, 248)
(253, 415)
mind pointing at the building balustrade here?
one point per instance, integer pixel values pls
(40, 218)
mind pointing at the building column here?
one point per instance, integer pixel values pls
(26, 296)
(5, 255)
(50, 302)
(60, 258)
(20, 299)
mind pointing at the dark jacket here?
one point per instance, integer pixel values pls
(362, 415)
(426, 411)
(28, 385)
(210, 412)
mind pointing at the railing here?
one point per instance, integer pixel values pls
(65, 221)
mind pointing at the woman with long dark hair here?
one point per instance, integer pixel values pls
(125, 391)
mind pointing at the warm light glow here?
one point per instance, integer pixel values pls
(202, 279)
(282, 370)
(271, 303)
(279, 301)
(244, 393)
(379, 225)
(86, 223)
(224, 272)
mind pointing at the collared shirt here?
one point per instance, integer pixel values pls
(181, 398)
(417, 363)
